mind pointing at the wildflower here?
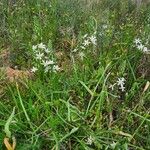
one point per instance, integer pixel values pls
(42, 57)
(145, 49)
(101, 34)
(137, 41)
(89, 140)
(82, 47)
(140, 47)
(81, 55)
(48, 62)
(122, 88)
(34, 69)
(41, 46)
(47, 50)
(105, 26)
(93, 39)
(34, 47)
(86, 43)
(47, 68)
(56, 68)
(121, 82)
(39, 56)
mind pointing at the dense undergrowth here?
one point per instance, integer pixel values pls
(89, 63)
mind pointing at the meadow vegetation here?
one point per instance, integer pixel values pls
(75, 74)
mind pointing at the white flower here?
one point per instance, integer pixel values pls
(34, 69)
(34, 47)
(145, 49)
(122, 88)
(48, 62)
(56, 68)
(86, 43)
(82, 47)
(93, 39)
(140, 47)
(81, 55)
(137, 41)
(89, 140)
(105, 26)
(41, 46)
(39, 56)
(120, 83)
(100, 34)
(47, 68)
(47, 50)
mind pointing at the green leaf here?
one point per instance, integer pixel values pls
(6, 129)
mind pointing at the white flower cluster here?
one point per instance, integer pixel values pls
(140, 46)
(89, 140)
(121, 84)
(43, 59)
(88, 40)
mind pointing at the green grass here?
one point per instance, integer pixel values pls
(75, 108)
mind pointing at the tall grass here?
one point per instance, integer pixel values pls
(82, 106)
